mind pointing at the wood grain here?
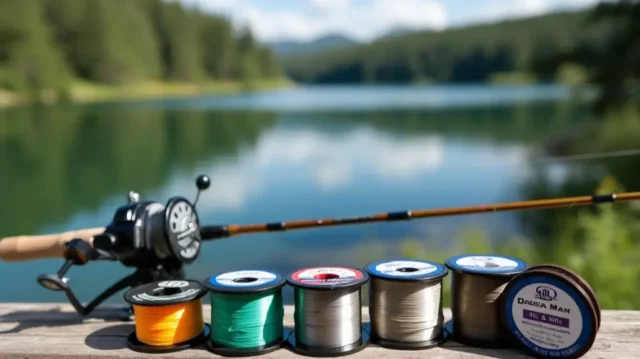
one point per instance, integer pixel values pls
(47, 330)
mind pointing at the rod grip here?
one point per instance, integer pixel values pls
(25, 248)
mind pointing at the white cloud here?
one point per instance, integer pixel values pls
(368, 21)
(335, 157)
(362, 22)
(328, 160)
(500, 9)
(333, 174)
(331, 5)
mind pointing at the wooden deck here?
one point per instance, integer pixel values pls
(56, 331)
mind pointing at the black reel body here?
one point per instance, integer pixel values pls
(156, 239)
(145, 234)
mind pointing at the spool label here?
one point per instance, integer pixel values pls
(249, 278)
(407, 270)
(486, 264)
(145, 297)
(395, 268)
(327, 276)
(165, 292)
(548, 317)
(173, 284)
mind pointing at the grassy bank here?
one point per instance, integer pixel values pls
(86, 92)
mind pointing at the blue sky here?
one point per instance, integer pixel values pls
(366, 19)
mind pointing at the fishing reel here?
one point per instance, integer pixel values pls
(154, 238)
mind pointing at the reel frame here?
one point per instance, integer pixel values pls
(157, 240)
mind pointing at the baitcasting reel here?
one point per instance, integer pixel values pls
(155, 239)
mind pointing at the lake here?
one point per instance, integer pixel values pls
(285, 155)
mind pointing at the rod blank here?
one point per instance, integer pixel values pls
(210, 232)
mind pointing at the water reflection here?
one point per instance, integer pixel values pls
(70, 167)
(374, 98)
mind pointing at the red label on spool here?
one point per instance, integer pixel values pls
(327, 276)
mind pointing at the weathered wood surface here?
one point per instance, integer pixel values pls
(56, 331)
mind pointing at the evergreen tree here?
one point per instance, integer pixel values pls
(29, 59)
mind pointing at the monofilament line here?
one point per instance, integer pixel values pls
(327, 318)
(406, 313)
(477, 284)
(405, 303)
(328, 311)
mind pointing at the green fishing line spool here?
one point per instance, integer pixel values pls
(247, 313)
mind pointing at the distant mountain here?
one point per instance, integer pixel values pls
(399, 31)
(331, 42)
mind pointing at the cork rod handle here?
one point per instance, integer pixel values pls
(25, 248)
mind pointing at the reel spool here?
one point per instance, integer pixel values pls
(168, 316)
(247, 313)
(551, 313)
(405, 304)
(328, 311)
(477, 283)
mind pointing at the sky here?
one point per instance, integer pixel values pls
(365, 20)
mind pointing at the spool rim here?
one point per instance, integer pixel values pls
(213, 284)
(485, 344)
(243, 352)
(136, 345)
(575, 276)
(437, 274)
(364, 341)
(360, 278)
(143, 295)
(392, 344)
(510, 271)
(570, 283)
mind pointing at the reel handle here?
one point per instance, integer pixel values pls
(25, 248)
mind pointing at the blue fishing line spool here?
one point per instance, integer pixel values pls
(477, 284)
(551, 312)
(328, 311)
(405, 303)
(247, 313)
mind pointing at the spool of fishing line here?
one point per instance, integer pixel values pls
(405, 303)
(551, 312)
(575, 276)
(328, 311)
(477, 283)
(168, 316)
(247, 313)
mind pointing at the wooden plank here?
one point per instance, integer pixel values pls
(55, 331)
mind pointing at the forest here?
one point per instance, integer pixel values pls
(597, 45)
(49, 46)
(468, 54)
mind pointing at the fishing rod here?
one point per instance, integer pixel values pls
(158, 240)
(231, 230)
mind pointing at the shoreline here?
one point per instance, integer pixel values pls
(89, 93)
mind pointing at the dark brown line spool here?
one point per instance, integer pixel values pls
(585, 285)
(572, 281)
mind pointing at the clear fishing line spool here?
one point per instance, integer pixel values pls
(551, 312)
(477, 284)
(247, 313)
(168, 316)
(405, 304)
(328, 311)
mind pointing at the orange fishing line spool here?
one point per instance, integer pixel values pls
(168, 316)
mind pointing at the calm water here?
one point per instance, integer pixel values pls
(284, 155)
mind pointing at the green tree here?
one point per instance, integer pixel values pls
(218, 47)
(613, 61)
(29, 59)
